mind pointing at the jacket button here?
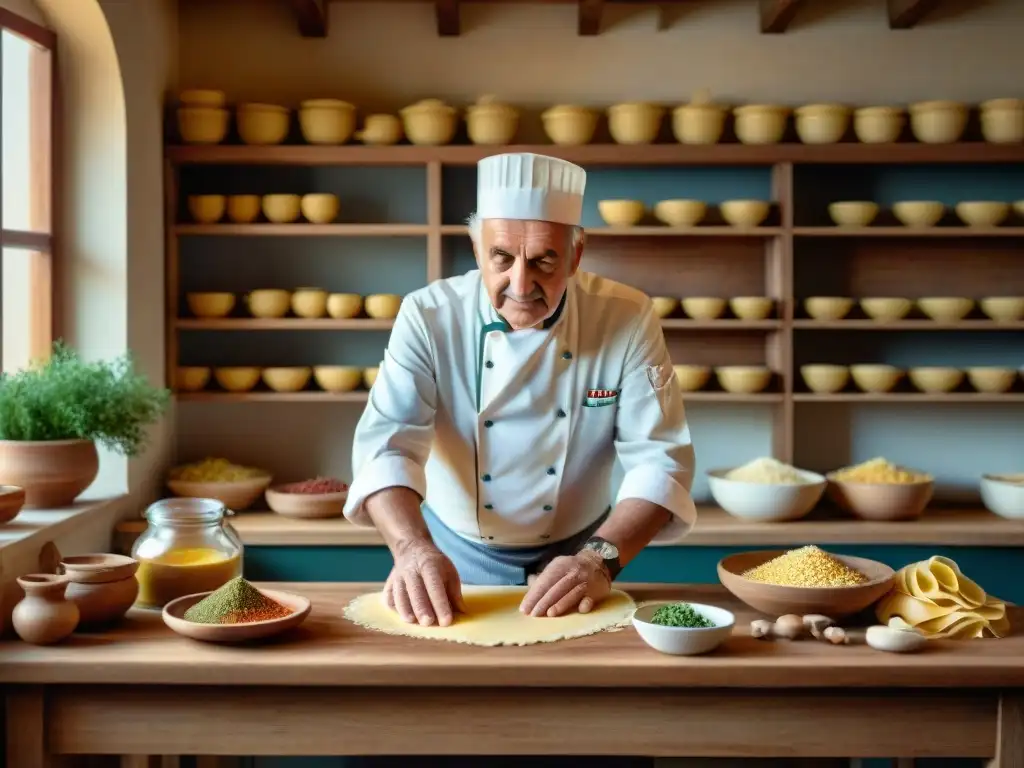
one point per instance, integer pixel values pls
(548, 508)
(486, 478)
(560, 414)
(490, 538)
(488, 424)
(488, 506)
(567, 355)
(488, 364)
(551, 470)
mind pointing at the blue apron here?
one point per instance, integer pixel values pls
(496, 566)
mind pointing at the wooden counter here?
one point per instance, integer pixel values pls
(333, 688)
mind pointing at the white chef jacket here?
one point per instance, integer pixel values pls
(511, 437)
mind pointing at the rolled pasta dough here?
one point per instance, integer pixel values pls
(493, 618)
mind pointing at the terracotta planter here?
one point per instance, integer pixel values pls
(52, 472)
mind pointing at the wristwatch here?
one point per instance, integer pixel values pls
(608, 553)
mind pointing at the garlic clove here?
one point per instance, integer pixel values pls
(761, 628)
(883, 638)
(835, 635)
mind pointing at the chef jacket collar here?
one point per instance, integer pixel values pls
(493, 321)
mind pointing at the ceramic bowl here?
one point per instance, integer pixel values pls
(620, 213)
(825, 379)
(680, 213)
(430, 122)
(206, 209)
(776, 600)
(244, 209)
(935, 379)
(174, 617)
(319, 208)
(703, 307)
(326, 121)
(210, 305)
(202, 97)
(569, 125)
(982, 213)
(1003, 309)
(751, 307)
(342, 306)
(743, 379)
(383, 306)
(237, 378)
(822, 123)
(946, 309)
(938, 122)
(684, 641)
(191, 378)
(692, 378)
(918, 213)
(1002, 121)
(370, 376)
(878, 125)
(262, 124)
(881, 502)
(886, 309)
(306, 506)
(291, 379)
(1001, 495)
(203, 125)
(698, 123)
(664, 306)
(268, 302)
(853, 213)
(103, 586)
(760, 123)
(337, 378)
(281, 209)
(635, 122)
(236, 495)
(744, 213)
(12, 499)
(766, 502)
(992, 380)
(875, 378)
(309, 302)
(491, 123)
(828, 308)
(380, 129)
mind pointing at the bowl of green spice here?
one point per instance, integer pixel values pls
(683, 629)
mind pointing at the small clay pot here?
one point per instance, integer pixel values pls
(12, 499)
(102, 586)
(44, 615)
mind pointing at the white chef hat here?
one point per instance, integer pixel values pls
(522, 185)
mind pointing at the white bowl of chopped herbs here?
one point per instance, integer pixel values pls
(683, 629)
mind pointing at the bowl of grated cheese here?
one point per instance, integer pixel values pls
(766, 490)
(882, 491)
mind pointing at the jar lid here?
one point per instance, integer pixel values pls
(185, 511)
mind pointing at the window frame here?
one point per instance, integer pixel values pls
(40, 247)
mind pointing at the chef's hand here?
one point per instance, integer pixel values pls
(575, 582)
(424, 586)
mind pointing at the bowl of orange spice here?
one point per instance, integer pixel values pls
(315, 499)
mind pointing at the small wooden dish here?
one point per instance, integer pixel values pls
(174, 613)
(306, 506)
(12, 499)
(776, 600)
(236, 495)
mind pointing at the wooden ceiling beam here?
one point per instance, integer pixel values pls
(589, 14)
(776, 15)
(448, 22)
(311, 15)
(905, 14)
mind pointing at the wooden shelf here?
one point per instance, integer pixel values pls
(907, 325)
(604, 154)
(715, 528)
(359, 396)
(909, 397)
(304, 229)
(656, 231)
(947, 231)
(281, 324)
(683, 324)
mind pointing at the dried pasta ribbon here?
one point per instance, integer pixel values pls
(936, 598)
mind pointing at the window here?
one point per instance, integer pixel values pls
(26, 195)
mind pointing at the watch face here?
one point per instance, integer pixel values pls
(605, 549)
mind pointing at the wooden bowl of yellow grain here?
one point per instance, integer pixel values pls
(780, 599)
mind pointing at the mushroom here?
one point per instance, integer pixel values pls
(818, 624)
(835, 635)
(761, 628)
(789, 627)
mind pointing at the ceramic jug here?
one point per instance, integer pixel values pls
(44, 615)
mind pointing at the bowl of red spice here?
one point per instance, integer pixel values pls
(314, 499)
(237, 612)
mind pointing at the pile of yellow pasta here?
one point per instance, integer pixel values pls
(879, 471)
(935, 597)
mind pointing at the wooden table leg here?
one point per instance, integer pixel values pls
(26, 730)
(1010, 737)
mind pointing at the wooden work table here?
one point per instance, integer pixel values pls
(333, 688)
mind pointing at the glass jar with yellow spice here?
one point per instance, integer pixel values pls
(188, 547)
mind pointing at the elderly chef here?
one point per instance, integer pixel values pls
(485, 453)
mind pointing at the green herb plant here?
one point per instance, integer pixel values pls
(67, 398)
(680, 615)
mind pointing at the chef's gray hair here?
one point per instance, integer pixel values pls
(476, 231)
